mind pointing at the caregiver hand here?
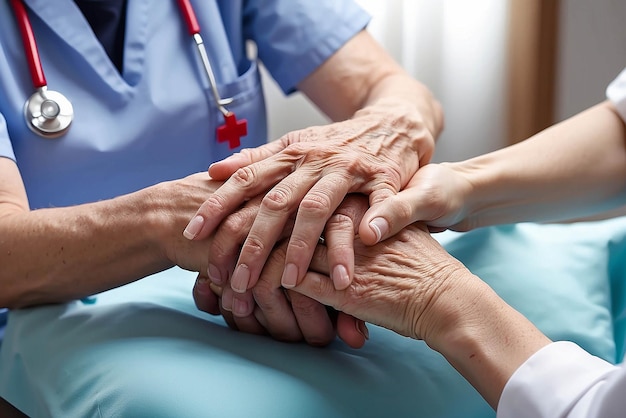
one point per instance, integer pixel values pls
(311, 171)
(437, 195)
(285, 315)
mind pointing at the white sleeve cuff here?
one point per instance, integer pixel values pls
(616, 93)
(551, 382)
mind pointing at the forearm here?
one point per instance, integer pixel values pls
(573, 169)
(53, 255)
(487, 341)
(351, 81)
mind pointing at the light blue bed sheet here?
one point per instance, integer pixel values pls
(144, 350)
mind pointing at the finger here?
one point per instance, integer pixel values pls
(313, 320)
(223, 169)
(204, 297)
(277, 314)
(245, 183)
(340, 232)
(313, 213)
(228, 318)
(416, 202)
(227, 241)
(249, 324)
(243, 304)
(227, 299)
(319, 287)
(276, 208)
(352, 331)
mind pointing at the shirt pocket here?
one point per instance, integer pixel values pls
(249, 104)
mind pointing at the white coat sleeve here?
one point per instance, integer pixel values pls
(564, 381)
(616, 93)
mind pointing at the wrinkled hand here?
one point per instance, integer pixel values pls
(176, 200)
(268, 308)
(311, 171)
(436, 195)
(403, 284)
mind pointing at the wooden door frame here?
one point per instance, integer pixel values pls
(532, 63)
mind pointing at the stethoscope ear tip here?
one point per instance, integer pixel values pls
(48, 113)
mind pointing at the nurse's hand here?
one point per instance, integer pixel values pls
(437, 195)
(310, 172)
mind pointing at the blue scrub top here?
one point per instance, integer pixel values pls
(156, 121)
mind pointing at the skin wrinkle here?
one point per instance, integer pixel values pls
(278, 199)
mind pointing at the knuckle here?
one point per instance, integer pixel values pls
(218, 252)
(299, 244)
(244, 176)
(317, 203)
(277, 200)
(234, 224)
(389, 174)
(340, 221)
(247, 153)
(255, 246)
(214, 203)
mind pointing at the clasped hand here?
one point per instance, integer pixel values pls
(298, 183)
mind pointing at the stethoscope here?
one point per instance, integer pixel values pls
(49, 113)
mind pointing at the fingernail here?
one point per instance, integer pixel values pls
(380, 227)
(290, 276)
(240, 307)
(202, 285)
(194, 227)
(227, 299)
(241, 278)
(362, 329)
(340, 277)
(214, 275)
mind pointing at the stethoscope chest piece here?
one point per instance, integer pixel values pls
(48, 113)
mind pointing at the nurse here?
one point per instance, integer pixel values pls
(104, 203)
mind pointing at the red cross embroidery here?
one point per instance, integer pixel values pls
(232, 130)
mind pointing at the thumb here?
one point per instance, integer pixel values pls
(223, 169)
(387, 218)
(380, 197)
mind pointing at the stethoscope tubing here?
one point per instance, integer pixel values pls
(193, 27)
(30, 44)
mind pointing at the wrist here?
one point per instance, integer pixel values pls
(486, 339)
(480, 195)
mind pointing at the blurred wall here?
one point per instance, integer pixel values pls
(459, 49)
(455, 47)
(592, 52)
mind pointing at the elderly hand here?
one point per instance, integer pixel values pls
(404, 284)
(374, 153)
(268, 307)
(411, 285)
